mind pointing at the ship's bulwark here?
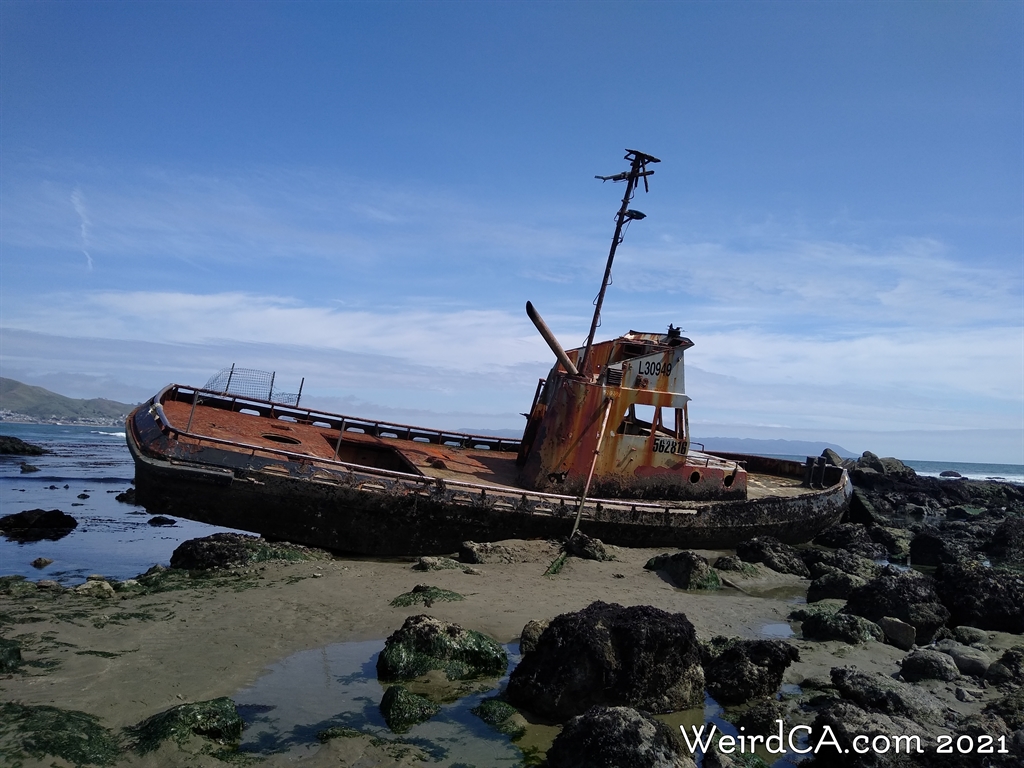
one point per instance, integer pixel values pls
(384, 516)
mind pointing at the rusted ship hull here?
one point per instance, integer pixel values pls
(281, 472)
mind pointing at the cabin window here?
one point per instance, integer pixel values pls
(641, 419)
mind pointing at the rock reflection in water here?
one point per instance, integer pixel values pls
(337, 685)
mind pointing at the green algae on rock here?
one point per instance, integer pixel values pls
(425, 595)
(216, 719)
(43, 731)
(403, 709)
(501, 716)
(824, 621)
(424, 643)
(10, 655)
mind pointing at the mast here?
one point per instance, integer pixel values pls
(637, 170)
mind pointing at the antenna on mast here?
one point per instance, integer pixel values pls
(637, 170)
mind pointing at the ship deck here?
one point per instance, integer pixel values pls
(318, 443)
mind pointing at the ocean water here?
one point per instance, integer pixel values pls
(1007, 473)
(88, 468)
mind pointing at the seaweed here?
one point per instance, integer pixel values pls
(10, 655)
(403, 709)
(39, 731)
(338, 732)
(499, 715)
(556, 565)
(216, 719)
(425, 595)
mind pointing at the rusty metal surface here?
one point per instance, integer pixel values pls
(377, 511)
(639, 457)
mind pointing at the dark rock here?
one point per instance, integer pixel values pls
(41, 562)
(898, 633)
(159, 520)
(862, 509)
(586, 547)
(220, 550)
(880, 693)
(923, 664)
(14, 446)
(10, 655)
(616, 737)
(929, 547)
(905, 595)
(773, 553)
(846, 721)
(501, 716)
(970, 635)
(821, 622)
(128, 497)
(895, 541)
(1008, 541)
(852, 537)
(687, 570)
(739, 670)
(981, 596)
(820, 562)
(530, 635)
(37, 525)
(402, 709)
(477, 553)
(831, 457)
(833, 585)
(216, 719)
(609, 655)
(763, 717)
(897, 469)
(27, 468)
(970, 661)
(1008, 668)
(1011, 708)
(728, 563)
(949, 473)
(424, 643)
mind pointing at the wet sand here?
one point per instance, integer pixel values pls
(124, 659)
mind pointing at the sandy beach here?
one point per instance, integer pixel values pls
(127, 657)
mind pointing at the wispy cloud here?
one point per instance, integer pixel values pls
(79, 204)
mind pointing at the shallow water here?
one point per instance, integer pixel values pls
(112, 539)
(337, 686)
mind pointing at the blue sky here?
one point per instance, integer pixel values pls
(366, 194)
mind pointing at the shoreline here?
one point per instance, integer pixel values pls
(132, 656)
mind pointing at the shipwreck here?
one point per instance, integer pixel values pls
(606, 450)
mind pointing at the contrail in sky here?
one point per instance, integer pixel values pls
(76, 200)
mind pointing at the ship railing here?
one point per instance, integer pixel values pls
(342, 423)
(474, 494)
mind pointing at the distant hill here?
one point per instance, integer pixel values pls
(762, 447)
(19, 400)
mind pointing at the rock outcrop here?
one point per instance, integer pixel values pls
(37, 525)
(686, 570)
(616, 737)
(606, 654)
(739, 670)
(773, 553)
(424, 643)
(904, 595)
